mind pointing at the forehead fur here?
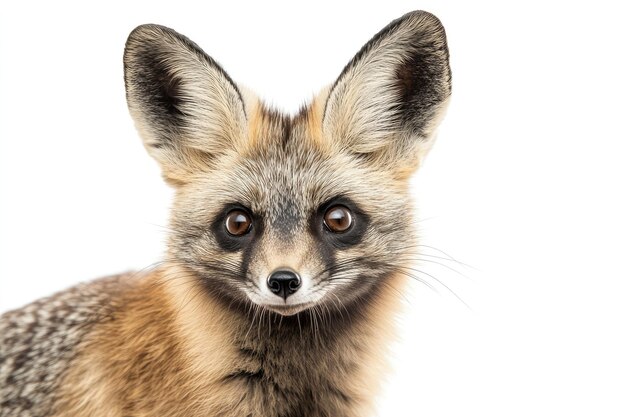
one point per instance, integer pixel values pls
(286, 167)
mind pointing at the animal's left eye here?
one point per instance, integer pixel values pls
(338, 219)
(238, 222)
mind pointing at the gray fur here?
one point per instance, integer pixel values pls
(39, 341)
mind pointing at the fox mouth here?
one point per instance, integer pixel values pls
(288, 309)
(284, 307)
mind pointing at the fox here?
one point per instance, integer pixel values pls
(288, 244)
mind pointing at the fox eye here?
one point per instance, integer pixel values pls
(238, 222)
(338, 219)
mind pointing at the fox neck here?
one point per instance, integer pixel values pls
(317, 358)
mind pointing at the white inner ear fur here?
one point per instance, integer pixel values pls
(359, 109)
(362, 110)
(211, 111)
(215, 113)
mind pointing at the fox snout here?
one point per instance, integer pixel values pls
(284, 276)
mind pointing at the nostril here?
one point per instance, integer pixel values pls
(284, 282)
(274, 286)
(294, 284)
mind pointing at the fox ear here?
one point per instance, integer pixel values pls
(186, 108)
(388, 100)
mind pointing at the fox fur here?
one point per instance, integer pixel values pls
(201, 334)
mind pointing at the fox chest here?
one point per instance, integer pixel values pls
(282, 383)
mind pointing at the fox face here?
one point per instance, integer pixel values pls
(291, 212)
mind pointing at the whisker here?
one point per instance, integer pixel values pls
(443, 265)
(442, 284)
(442, 252)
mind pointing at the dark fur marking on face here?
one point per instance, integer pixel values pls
(287, 218)
(286, 132)
(326, 252)
(250, 246)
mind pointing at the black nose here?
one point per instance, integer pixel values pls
(284, 282)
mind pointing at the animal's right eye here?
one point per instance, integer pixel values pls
(238, 222)
(338, 219)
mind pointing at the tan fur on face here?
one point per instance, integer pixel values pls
(265, 128)
(314, 116)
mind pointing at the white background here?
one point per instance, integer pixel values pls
(525, 184)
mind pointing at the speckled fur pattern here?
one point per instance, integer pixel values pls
(39, 342)
(202, 334)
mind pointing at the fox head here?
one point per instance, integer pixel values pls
(289, 212)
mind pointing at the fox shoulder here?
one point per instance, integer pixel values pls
(38, 343)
